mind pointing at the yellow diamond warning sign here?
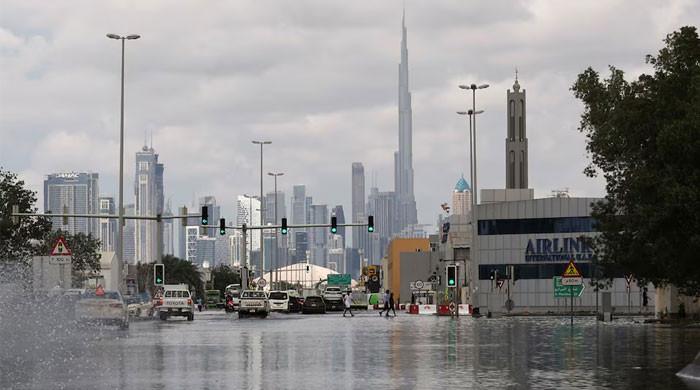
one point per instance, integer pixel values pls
(571, 271)
(60, 248)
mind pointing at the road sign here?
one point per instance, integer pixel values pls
(561, 291)
(262, 282)
(452, 307)
(60, 248)
(571, 270)
(339, 279)
(419, 284)
(628, 278)
(499, 283)
(571, 281)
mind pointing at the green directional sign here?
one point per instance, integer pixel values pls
(565, 291)
(339, 279)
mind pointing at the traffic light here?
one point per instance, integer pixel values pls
(334, 225)
(158, 274)
(370, 223)
(492, 275)
(284, 226)
(222, 226)
(205, 215)
(451, 276)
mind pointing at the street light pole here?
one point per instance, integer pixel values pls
(120, 230)
(276, 249)
(473, 162)
(262, 207)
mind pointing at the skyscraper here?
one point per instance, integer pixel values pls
(516, 143)
(359, 234)
(76, 193)
(340, 218)
(461, 198)
(299, 209)
(318, 237)
(403, 158)
(108, 226)
(381, 204)
(270, 207)
(148, 188)
(246, 213)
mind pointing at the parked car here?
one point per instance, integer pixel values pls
(295, 304)
(333, 297)
(176, 301)
(314, 304)
(279, 301)
(102, 307)
(253, 303)
(138, 307)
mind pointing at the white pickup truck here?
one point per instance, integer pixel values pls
(176, 301)
(253, 303)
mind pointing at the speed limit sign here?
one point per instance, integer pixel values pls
(419, 284)
(262, 282)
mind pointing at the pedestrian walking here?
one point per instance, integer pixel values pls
(391, 305)
(386, 304)
(347, 300)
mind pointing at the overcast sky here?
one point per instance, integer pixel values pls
(317, 78)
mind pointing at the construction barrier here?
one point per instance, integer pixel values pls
(443, 310)
(465, 309)
(413, 309)
(427, 309)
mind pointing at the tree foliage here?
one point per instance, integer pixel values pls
(644, 136)
(222, 276)
(176, 271)
(15, 239)
(85, 251)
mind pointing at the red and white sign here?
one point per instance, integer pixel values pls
(60, 254)
(60, 248)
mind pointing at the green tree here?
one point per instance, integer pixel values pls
(176, 271)
(222, 276)
(644, 136)
(15, 244)
(85, 251)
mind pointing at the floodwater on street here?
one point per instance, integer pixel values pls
(294, 351)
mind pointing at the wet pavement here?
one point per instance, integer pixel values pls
(219, 351)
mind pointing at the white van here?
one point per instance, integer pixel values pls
(279, 301)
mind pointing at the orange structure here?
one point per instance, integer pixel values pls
(396, 247)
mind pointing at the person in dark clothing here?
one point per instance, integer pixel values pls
(391, 305)
(386, 304)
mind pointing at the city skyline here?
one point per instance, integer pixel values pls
(359, 114)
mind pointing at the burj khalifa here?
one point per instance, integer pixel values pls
(403, 158)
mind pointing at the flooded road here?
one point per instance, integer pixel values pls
(219, 351)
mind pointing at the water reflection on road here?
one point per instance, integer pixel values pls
(219, 351)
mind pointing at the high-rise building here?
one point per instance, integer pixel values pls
(403, 158)
(461, 198)
(75, 193)
(336, 253)
(235, 247)
(301, 246)
(108, 226)
(340, 218)
(191, 237)
(382, 204)
(270, 208)
(516, 143)
(359, 234)
(214, 212)
(206, 251)
(168, 232)
(148, 188)
(129, 235)
(318, 237)
(247, 213)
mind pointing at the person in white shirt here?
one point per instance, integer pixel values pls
(347, 300)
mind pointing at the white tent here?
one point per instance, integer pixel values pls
(308, 275)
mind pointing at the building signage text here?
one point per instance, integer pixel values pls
(558, 249)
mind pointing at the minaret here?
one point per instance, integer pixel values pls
(403, 159)
(516, 142)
